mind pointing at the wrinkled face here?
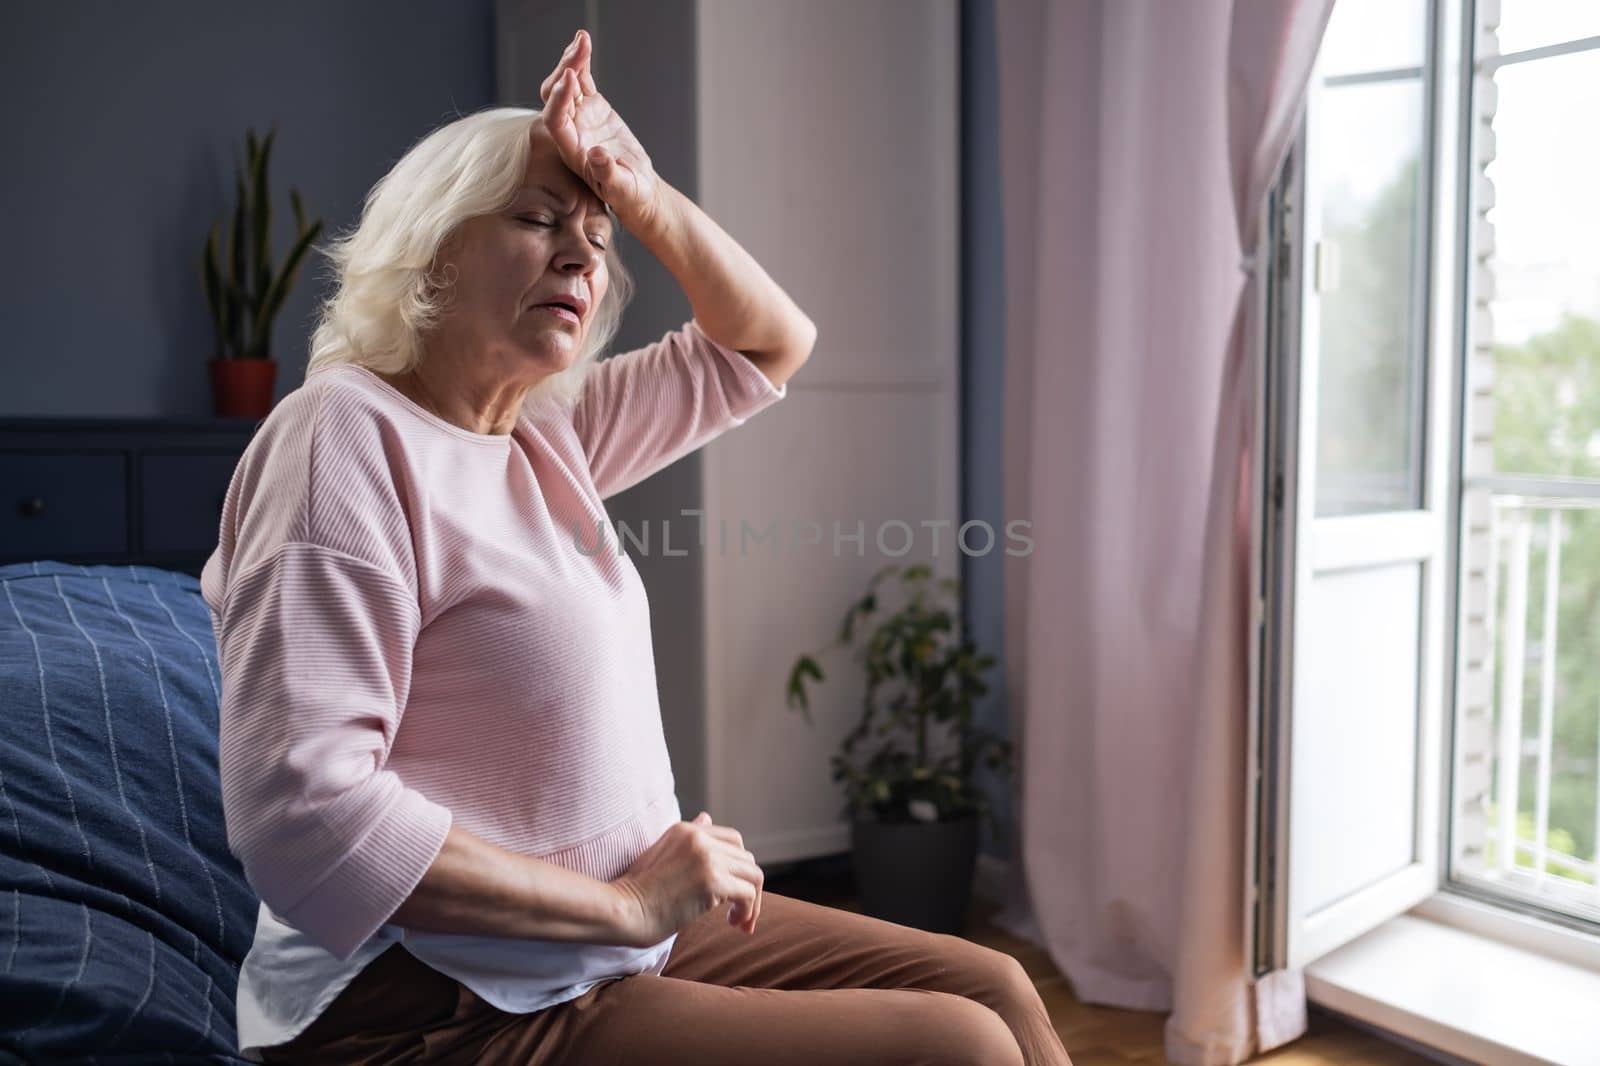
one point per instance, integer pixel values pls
(509, 266)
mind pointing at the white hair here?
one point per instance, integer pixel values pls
(386, 297)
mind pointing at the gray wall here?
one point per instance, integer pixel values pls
(124, 119)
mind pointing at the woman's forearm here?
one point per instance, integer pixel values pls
(733, 298)
(475, 887)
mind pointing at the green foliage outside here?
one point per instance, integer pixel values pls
(1365, 388)
(1558, 840)
(1547, 411)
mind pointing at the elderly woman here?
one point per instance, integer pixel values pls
(442, 758)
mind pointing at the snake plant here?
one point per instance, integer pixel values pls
(244, 293)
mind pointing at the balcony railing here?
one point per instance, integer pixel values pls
(1534, 525)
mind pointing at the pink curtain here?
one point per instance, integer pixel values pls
(1138, 140)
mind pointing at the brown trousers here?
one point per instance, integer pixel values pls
(814, 986)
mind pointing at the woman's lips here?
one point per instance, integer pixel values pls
(560, 312)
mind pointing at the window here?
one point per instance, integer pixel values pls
(1525, 797)
(1427, 667)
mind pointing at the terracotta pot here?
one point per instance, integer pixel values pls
(242, 388)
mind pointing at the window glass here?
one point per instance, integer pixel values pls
(1364, 165)
(1364, 36)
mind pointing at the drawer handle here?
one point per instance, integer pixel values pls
(32, 506)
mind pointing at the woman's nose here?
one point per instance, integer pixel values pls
(578, 262)
(578, 253)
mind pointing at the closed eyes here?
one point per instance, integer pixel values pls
(549, 223)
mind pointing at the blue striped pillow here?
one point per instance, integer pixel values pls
(123, 916)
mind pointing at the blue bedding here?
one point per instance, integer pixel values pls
(123, 916)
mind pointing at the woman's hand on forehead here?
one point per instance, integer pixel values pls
(596, 144)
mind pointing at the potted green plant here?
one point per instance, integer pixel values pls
(242, 289)
(907, 766)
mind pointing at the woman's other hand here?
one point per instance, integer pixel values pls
(693, 867)
(596, 144)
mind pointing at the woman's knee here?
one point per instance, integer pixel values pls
(994, 977)
(963, 1032)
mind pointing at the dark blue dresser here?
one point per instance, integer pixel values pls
(116, 490)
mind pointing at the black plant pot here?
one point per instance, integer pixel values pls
(917, 874)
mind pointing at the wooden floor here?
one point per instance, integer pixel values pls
(1104, 1036)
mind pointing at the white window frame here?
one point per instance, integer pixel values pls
(1281, 935)
(1520, 920)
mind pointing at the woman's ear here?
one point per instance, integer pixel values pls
(441, 275)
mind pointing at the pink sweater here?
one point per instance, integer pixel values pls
(411, 635)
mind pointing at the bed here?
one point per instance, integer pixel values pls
(123, 916)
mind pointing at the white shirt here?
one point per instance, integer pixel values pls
(286, 980)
